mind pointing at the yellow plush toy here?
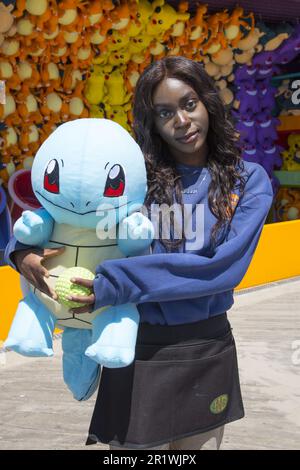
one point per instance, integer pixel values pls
(119, 58)
(116, 91)
(119, 114)
(95, 88)
(141, 18)
(163, 18)
(294, 148)
(139, 43)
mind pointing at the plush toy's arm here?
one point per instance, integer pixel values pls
(34, 227)
(136, 233)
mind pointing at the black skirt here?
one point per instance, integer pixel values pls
(184, 381)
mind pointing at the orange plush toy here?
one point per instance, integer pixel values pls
(78, 106)
(28, 75)
(216, 39)
(70, 78)
(7, 24)
(50, 76)
(9, 144)
(53, 108)
(8, 73)
(28, 109)
(29, 139)
(9, 113)
(237, 26)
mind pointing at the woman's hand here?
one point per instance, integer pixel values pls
(87, 300)
(29, 263)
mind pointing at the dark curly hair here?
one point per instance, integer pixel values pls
(224, 161)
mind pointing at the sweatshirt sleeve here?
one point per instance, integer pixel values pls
(177, 276)
(13, 246)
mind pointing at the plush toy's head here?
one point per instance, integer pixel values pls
(89, 164)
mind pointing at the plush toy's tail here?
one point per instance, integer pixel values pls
(81, 374)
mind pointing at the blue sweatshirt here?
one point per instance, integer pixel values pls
(196, 282)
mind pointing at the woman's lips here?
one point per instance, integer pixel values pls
(189, 138)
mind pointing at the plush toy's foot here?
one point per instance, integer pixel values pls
(81, 374)
(114, 336)
(110, 356)
(27, 348)
(32, 328)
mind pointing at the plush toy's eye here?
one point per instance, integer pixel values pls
(51, 177)
(157, 10)
(115, 183)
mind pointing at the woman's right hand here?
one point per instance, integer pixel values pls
(29, 264)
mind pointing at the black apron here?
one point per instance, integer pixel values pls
(184, 381)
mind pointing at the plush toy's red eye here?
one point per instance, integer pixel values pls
(51, 177)
(115, 183)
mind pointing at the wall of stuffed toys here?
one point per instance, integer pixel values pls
(65, 59)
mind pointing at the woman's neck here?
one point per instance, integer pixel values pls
(197, 159)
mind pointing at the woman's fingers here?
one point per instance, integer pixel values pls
(84, 309)
(42, 285)
(51, 252)
(82, 299)
(87, 300)
(83, 282)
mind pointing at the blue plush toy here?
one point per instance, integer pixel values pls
(90, 177)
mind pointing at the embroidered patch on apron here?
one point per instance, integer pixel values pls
(219, 404)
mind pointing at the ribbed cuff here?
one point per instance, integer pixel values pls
(105, 292)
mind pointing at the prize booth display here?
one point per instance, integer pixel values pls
(62, 60)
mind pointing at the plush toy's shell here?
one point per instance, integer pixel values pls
(82, 248)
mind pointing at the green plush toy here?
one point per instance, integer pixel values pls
(64, 287)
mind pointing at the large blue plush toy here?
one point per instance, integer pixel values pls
(90, 177)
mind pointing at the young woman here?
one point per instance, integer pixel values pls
(183, 386)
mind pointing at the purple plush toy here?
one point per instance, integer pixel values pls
(266, 94)
(247, 95)
(272, 157)
(244, 73)
(290, 48)
(251, 153)
(265, 64)
(266, 126)
(246, 127)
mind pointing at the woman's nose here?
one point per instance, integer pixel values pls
(182, 118)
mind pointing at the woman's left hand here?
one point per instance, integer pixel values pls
(87, 300)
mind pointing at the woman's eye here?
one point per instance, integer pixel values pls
(191, 104)
(115, 183)
(164, 113)
(51, 177)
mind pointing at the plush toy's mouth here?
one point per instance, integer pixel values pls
(80, 213)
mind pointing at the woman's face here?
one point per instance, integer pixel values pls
(181, 120)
